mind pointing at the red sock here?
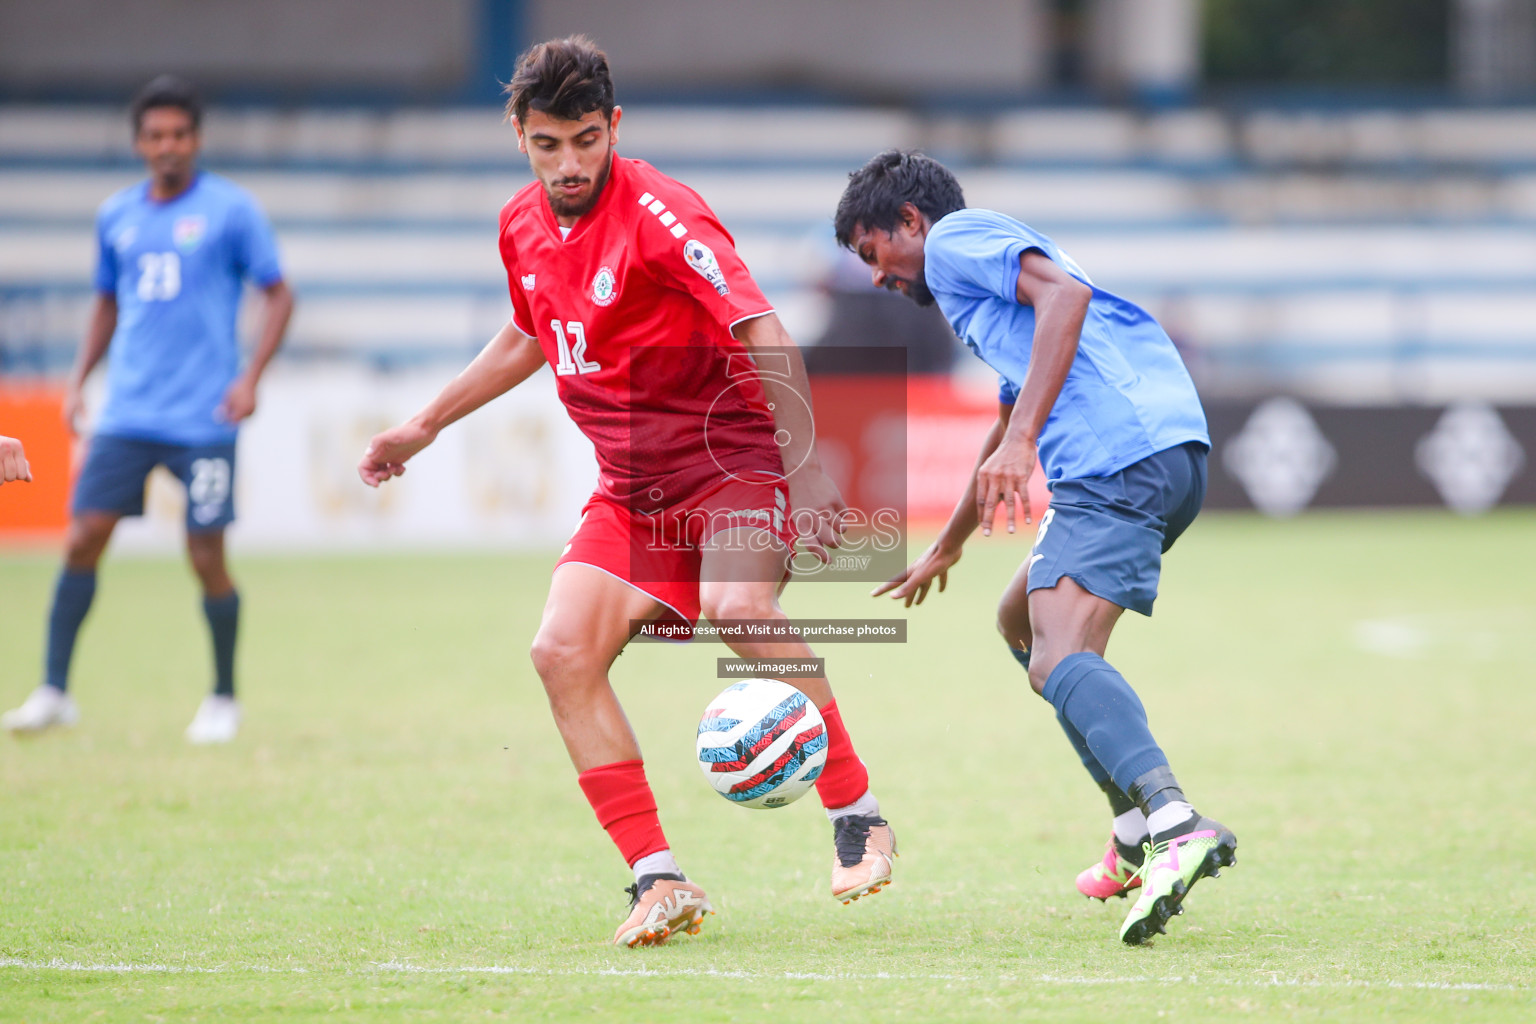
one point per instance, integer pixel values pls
(844, 779)
(625, 807)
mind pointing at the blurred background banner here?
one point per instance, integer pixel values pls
(1331, 206)
(1280, 456)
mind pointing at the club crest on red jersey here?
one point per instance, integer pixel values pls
(605, 287)
(702, 258)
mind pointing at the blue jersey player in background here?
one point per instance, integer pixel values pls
(173, 256)
(1092, 384)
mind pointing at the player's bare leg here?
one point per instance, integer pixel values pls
(1066, 619)
(1013, 613)
(740, 578)
(588, 618)
(205, 551)
(50, 704)
(586, 624)
(218, 716)
(89, 534)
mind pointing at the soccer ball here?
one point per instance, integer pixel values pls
(762, 743)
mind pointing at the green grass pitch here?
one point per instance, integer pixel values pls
(397, 834)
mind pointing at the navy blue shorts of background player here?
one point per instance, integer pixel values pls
(112, 479)
(1108, 533)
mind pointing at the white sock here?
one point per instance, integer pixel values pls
(662, 863)
(1131, 827)
(865, 805)
(1174, 812)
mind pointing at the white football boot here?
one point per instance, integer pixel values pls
(44, 707)
(661, 906)
(217, 720)
(866, 847)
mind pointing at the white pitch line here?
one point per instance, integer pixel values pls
(395, 967)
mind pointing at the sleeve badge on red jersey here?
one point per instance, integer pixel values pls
(605, 287)
(702, 258)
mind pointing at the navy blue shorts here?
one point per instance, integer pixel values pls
(112, 479)
(1108, 533)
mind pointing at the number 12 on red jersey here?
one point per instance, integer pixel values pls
(573, 353)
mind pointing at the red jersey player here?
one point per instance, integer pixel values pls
(623, 280)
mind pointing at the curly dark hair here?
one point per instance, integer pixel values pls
(876, 192)
(564, 78)
(166, 91)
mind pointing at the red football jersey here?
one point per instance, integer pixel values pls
(634, 311)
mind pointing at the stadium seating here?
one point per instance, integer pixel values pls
(1361, 255)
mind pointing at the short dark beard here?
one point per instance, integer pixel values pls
(173, 185)
(917, 291)
(563, 207)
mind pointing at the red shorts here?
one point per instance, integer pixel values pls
(658, 554)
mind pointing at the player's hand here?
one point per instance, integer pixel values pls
(387, 452)
(239, 401)
(913, 582)
(72, 409)
(1002, 480)
(13, 462)
(818, 511)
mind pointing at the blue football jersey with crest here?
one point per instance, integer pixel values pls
(178, 269)
(1127, 394)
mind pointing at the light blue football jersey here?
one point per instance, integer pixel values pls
(1127, 394)
(178, 269)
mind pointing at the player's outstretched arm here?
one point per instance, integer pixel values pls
(911, 584)
(13, 462)
(98, 335)
(240, 400)
(510, 358)
(811, 490)
(1061, 305)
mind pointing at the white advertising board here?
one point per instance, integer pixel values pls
(513, 474)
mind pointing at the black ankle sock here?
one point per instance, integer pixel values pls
(1119, 803)
(1153, 789)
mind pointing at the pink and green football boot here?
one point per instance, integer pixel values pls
(1171, 869)
(1117, 874)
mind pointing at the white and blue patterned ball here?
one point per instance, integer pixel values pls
(762, 743)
